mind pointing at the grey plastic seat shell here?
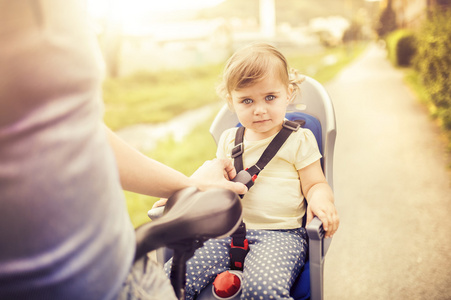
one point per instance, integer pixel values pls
(314, 100)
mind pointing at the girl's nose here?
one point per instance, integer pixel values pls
(259, 109)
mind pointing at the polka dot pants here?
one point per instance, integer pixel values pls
(272, 264)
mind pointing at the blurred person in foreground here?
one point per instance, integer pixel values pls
(64, 228)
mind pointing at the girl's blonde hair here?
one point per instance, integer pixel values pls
(251, 64)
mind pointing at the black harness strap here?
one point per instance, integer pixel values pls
(239, 246)
(237, 151)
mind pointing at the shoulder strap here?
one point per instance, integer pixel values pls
(238, 150)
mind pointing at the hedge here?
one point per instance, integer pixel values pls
(401, 46)
(433, 63)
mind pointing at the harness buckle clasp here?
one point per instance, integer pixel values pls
(238, 254)
(291, 125)
(237, 150)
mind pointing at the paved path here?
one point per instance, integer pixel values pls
(392, 189)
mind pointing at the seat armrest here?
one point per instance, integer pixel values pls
(317, 252)
(315, 229)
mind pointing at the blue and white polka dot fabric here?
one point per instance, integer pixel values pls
(274, 261)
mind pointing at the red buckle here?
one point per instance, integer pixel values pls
(254, 177)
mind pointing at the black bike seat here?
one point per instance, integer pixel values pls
(191, 215)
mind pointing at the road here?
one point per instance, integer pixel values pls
(392, 188)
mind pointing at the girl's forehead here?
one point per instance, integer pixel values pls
(269, 80)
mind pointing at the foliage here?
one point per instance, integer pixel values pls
(433, 63)
(401, 46)
(387, 20)
(152, 97)
(406, 49)
(414, 81)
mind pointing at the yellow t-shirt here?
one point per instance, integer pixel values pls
(275, 201)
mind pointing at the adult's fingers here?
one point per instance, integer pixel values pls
(228, 167)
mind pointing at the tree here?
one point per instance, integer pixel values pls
(387, 20)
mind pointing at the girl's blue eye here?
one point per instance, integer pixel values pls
(247, 101)
(270, 97)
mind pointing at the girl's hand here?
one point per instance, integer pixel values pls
(319, 197)
(325, 210)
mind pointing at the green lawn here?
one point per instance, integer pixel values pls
(185, 156)
(158, 97)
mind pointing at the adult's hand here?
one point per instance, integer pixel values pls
(217, 173)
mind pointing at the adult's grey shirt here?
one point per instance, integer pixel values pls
(64, 228)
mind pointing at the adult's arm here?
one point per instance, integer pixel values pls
(144, 175)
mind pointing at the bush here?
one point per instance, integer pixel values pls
(406, 49)
(433, 62)
(401, 46)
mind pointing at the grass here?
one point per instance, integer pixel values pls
(185, 156)
(158, 97)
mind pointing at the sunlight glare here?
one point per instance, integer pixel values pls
(130, 8)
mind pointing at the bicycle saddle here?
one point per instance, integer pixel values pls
(190, 215)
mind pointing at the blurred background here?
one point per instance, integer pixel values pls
(165, 58)
(152, 35)
(386, 65)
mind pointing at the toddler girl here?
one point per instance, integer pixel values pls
(258, 87)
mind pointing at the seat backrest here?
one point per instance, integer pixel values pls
(312, 100)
